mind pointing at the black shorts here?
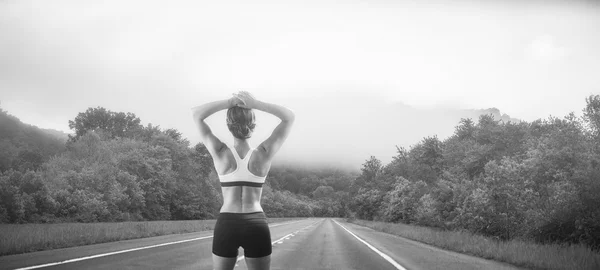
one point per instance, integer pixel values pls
(247, 230)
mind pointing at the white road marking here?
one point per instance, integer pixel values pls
(278, 241)
(286, 223)
(110, 253)
(385, 256)
(130, 250)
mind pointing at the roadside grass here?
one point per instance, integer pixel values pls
(22, 238)
(519, 253)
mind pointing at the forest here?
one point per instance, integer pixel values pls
(536, 181)
(114, 169)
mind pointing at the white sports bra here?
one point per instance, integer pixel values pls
(241, 176)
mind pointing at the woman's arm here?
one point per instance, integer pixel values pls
(272, 144)
(212, 143)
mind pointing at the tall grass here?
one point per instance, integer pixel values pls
(21, 238)
(520, 253)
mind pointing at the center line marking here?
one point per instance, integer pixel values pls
(385, 256)
(130, 250)
(241, 257)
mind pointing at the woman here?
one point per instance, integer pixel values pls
(242, 171)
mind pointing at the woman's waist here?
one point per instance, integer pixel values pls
(234, 206)
(241, 195)
(259, 215)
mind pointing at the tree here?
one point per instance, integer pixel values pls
(591, 113)
(509, 196)
(400, 164)
(430, 154)
(402, 201)
(116, 124)
(486, 129)
(370, 170)
(465, 129)
(367, 203)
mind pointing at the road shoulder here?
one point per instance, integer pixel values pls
(417, 255)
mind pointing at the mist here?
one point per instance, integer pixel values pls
(362, 78)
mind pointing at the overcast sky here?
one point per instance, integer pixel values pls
(157, 59)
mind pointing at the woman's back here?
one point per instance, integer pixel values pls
(241, 180)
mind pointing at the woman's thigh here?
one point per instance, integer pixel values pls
(262, 263)
(223, 263)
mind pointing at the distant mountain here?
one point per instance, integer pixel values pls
(494, 112)
(347, 133)
(24, 146)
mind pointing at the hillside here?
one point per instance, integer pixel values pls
(24, 146)
(62, 136)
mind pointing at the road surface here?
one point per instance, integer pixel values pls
(304, 244)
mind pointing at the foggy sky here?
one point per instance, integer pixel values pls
(361, 76)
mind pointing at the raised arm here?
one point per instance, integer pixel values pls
(212, 143)
(272, 144)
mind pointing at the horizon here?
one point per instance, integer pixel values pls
(354, 166)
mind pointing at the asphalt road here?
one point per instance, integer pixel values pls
(305, 244)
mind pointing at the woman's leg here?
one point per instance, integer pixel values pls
(257, 243)
(262, 263)
(223, 263)
(225, 242)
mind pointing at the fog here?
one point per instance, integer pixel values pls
(362, 77)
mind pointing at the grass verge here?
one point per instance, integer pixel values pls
(22, 238)
(519, 253)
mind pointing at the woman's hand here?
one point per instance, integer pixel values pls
(249, 102)
(235, 101)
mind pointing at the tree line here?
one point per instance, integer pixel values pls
(537, 181)
(114, 169)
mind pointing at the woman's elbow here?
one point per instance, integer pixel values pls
(291, 117)
(197, 115)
